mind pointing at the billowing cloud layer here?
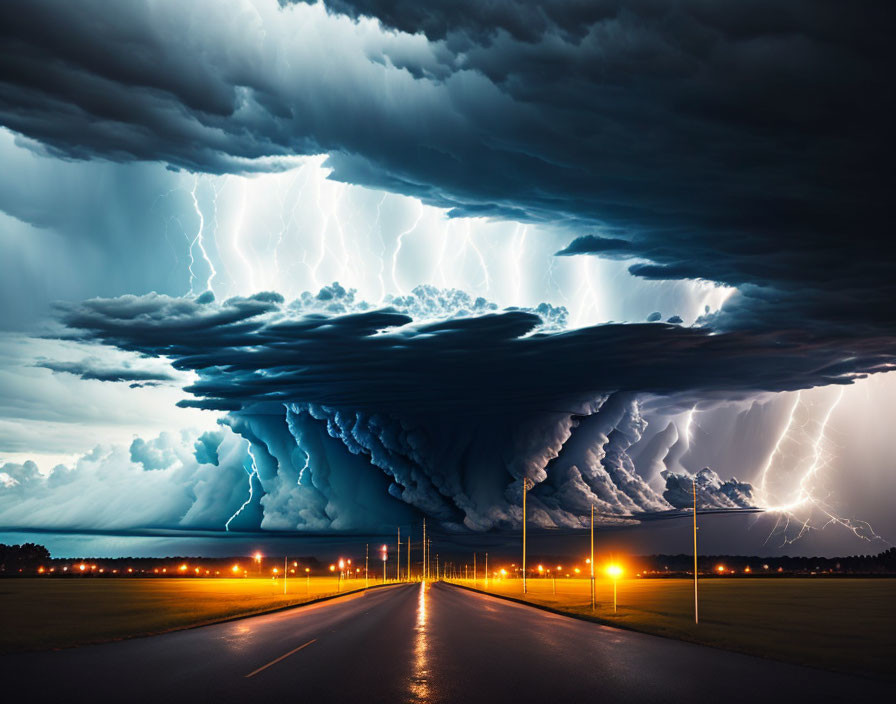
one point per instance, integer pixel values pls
(456, 402)
(261, 349)
(741, 143)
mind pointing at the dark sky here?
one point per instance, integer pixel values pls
(739, 147)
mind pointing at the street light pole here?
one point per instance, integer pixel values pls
(409, 558)
(284, 575)
(486, 570)
(525, 489)
(593, 595)
(366, 560)
(424, 550)
(398, 558)
(696, 614)
(474, 569)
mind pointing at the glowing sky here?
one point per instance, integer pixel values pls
(324, 268)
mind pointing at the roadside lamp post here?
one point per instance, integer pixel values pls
(341, 573)
(593, 585)
(385, 557)
(258, 562)
(525, 490)
(307, 580)
(614, 571)
(696, 614)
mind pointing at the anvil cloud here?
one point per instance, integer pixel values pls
(744, 144)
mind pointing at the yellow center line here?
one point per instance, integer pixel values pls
(282, 657)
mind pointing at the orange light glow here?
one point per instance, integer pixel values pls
(82, 567)
(541, 568)
(720, 569)
(235, 569)
(183, 568)
(615, 571)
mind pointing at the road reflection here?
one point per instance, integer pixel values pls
(419, 683)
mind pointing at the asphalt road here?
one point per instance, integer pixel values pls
(404, 644)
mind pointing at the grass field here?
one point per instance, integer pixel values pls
(840, 624)
(44, 613)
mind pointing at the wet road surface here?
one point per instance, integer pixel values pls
(407, 643)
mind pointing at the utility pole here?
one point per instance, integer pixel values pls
(398, 557)
(437, 565)
(424, 550)
(593, 595)
(525, 489)
(486, 570)
(409, 558)
(284, 574)
(366, 560)
(696, 614)
(474, 569)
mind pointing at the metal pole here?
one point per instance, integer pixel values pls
(398, 557)
(366, 558)
(486, 570)
(614, 595)
(474, 569)
(593, 595)
(409, 558)
(424, 550)
(525, 489)
(284, 575)
(696, 613)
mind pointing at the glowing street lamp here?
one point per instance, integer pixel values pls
(615, 571)
(257, 557)
(385, 555)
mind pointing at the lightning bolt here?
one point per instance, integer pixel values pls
(307, 463)
(252, 472)
(806, 498)
(237, 232)
(378, 227)
(469, 241)
(198, 240)
(398, 243)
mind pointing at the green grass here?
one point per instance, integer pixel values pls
(838, 624)
(45, 613)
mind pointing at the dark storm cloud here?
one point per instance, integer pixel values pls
(91, 369)
(249, 351)
(742, 142)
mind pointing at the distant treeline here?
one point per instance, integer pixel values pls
(18, 559)
(27, 555)
(882, 563)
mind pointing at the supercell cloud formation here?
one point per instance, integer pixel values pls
(742, 144)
